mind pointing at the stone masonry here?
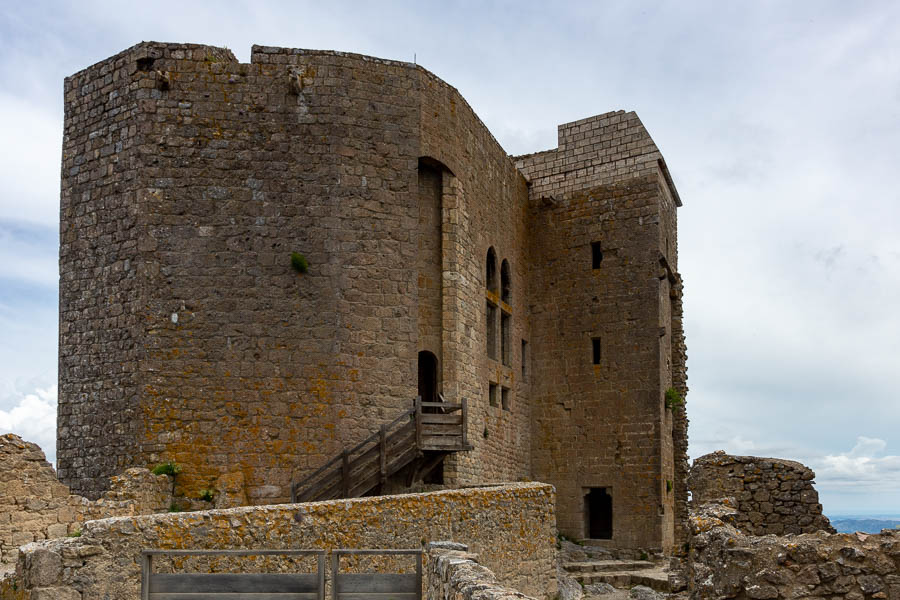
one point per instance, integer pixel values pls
(35, 506)
(771, 495)
(512, 528)
(544, 287)
(724, 562)
(603, 423)
(454, 573)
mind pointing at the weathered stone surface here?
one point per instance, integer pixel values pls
(569, 587)
(749, 482)
(188, 181)
(35, 506)
(457, 574)
(725, 562)
(44, 568)
(230, 490)
(642, 592)
(512, 528)
(598, 424)
(55, 593)
(599, 589)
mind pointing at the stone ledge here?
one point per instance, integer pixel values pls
(512, 527)
(453, 572)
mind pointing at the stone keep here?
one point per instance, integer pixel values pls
(542, 288)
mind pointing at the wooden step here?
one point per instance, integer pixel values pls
(430, 426)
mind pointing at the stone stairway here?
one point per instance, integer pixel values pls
(597, 570)
(620, 573)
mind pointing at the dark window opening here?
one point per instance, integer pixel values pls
(504, 398)
(492, 394)
(505, 285)
(505, 320)
(598, 514)
(524, 360)
(436, 475)
(490, 279)
(596, 254)
(428, 376)
(595, 346)
(145, 63)
(490, 316)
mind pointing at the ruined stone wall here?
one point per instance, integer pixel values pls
(35, 506)
(679, 418)
(512, 528)
(455, 573)
(726, 563)
(772, 495)
(605, 425)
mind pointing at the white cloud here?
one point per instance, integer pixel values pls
(33, 418)
(861, 467)
(31, 173)
(735, 444)
(862, 479)
(28, 254)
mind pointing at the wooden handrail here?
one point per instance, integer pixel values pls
(336, 475)
(465, 421)
(447, 407)
(309, 479)
(419, 421)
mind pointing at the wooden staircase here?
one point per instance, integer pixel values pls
(421, 437)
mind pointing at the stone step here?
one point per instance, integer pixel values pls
(588, 566)
(656, 580)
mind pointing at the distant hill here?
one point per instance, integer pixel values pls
(866, 525)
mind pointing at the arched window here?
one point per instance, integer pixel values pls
(505, 285)
(490, 313)
(490, 279)
(505, 317)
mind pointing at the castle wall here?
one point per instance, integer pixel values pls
(773, 496)
(724, 562)
(484, 207)
(383, 177)
(102, 289)
(268, 371)
(673, 360)
(679, 418)
(512, 528)
(35, 506)
(601, 420)
(243, 365)
(429, 261)
(455, 573)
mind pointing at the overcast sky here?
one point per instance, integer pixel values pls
(780, 122)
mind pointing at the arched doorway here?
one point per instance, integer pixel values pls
(428, 376)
